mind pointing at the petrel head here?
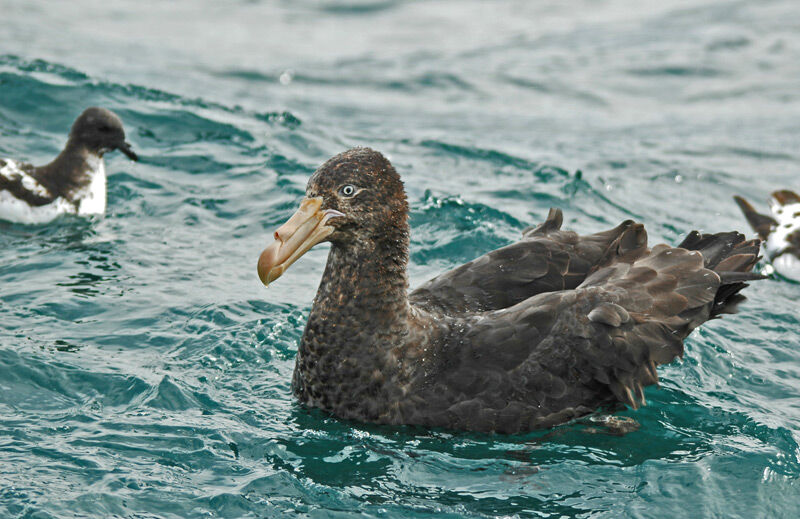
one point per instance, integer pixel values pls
(100, 130)
(354, 199)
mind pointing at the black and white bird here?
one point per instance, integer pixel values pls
(780, 232)
(74, 182)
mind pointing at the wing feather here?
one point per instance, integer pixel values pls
(559, 354)
(547, 259)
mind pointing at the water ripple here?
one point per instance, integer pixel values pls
(144, 372)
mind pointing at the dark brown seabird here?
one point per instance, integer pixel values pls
(527, 336)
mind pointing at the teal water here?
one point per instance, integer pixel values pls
(144, 371)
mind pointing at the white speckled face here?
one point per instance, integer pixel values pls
(788, 218)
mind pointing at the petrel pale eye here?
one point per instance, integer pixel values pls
(347, 190)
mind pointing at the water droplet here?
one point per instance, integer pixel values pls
(286, 77)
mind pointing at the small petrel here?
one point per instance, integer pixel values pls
(74, 182)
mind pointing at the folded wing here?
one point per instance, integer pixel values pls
(559, 355)
(547, 259)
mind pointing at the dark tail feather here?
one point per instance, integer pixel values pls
(629, 239)
(553, 223)
(732, 257)
(760, 223)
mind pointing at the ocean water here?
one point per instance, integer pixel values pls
(144, 370)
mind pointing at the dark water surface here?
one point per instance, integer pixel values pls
(144, 371)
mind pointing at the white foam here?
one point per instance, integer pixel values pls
(788, 265)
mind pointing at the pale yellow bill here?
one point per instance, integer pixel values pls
(306, 228)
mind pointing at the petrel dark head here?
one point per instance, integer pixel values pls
(100, 130)
(356, 197)
(363, 185)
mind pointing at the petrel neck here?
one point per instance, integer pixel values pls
(369, 277)
(357, 323)
(71, 170)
